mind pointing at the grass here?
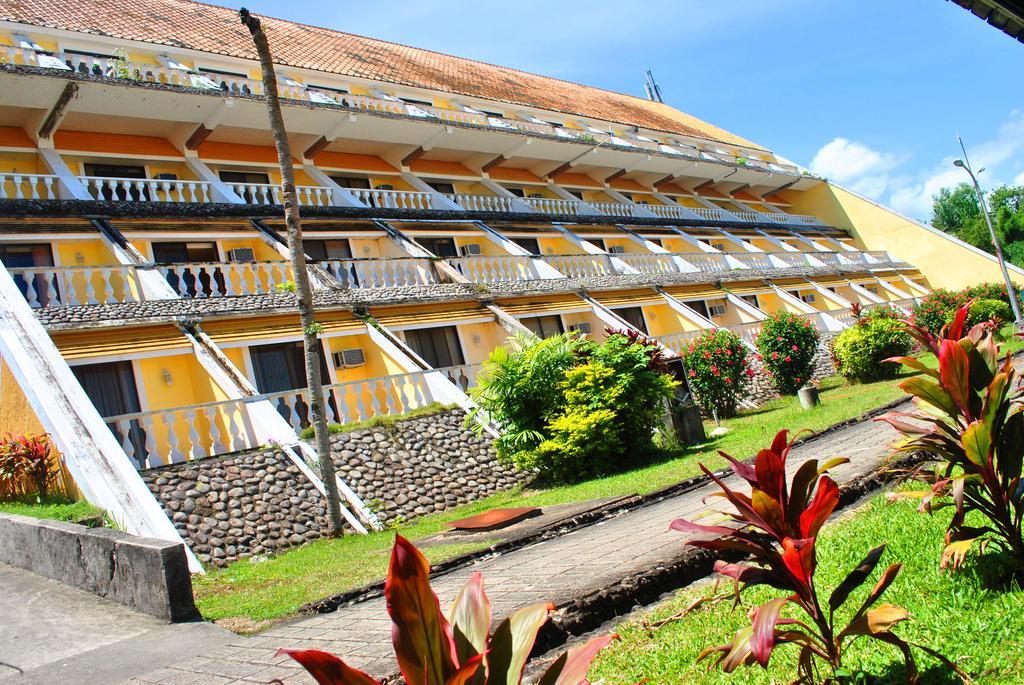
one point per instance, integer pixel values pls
(967, 616)
(379, 421)
(275, 588)
(59, 509)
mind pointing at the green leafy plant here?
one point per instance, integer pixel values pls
(969, 417)
(28, 459)
(571, 408)
(718, 372)
(987, 310)
(777, 527)
(286, 287)
(787, 345)
(457, 648)
(882, 311)
(935, 310)
(861, 350)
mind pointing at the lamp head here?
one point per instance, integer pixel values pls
(959, 163)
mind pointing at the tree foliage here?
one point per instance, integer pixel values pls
(956, 211)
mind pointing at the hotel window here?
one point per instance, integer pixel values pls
(751, 300)
(544, 326)
(111, 387)
(529, 244)
(281, 367)
(352, 182)
(441, 247)
(518, 192)
(332, 252)
(438, 346)
(634, 316)
(699, 306)
(441, 187)
(190, 281)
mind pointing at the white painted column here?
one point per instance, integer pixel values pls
(541, 268)
(638, 210)
(219, 190)
(438, 200)
(340, 197)
(590, 248)
(584, 208)
(68, 185)
(517, 203)
(704, 247)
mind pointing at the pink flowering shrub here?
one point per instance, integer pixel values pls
(717, 371)
(787, 345)
(932, 312)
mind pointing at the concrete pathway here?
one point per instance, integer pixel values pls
(52, 633)
(555, 570)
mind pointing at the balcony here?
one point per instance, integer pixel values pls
(547, 205)
(498, 269)
(271, 194)
(104, 188)
(60, 286)
(393, 272)
(648, 263)
(28, 186)
(226, 279)
(582, 265)
(483, 203)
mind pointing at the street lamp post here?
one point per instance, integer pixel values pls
(965, 164)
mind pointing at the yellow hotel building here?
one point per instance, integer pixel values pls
(146, 311)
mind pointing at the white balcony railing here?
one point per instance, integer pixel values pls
(357, 400)
(225, 279)
(669, 211)
(482, 203)
(713, 214)
(271, 194)
(616, 208)
(581, 265)
(843, 315)
(164, 436)
(791, 259)
(381, 273)
(393, 199)
(753, 260)
(496, 269)
(679, 342)
(145, 189)
(748, 332)
(14, 186)
(648, 263)
(547, 205)
(707, 262)
(58, 286)
(464, 376)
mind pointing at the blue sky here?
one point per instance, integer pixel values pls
(869, 93)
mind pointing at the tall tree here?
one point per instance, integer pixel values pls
(953, 209)
(304, 292)
(956, 211)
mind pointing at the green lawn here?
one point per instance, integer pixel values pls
(276, 587)
(959, 614)
(58, 509)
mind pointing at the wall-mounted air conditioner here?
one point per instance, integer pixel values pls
(347, 359)
(808, 298)
(472, 250)
(241, 254)
(617, 249)
(583, 327)
(716, 310)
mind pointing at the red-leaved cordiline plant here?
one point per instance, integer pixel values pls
(776, 526)
(969, 418)
(454, 649)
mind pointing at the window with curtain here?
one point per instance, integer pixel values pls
(544, 326)
(111, 387)
(635, 317)
(437, 346)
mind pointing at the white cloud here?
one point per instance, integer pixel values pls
(873, 173)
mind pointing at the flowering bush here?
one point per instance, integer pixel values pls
(884, 311)
(787, 345)
(937, 308)
(984, 311)
(717, 370)
(28, 460)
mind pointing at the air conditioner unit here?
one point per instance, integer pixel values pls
(472, 249)
(346, 359)
(809, 297)
(241, 254)
(617, 249)
(716, 310)
(583, 328)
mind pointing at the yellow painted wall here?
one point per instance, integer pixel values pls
(21, 162)
(369, 247)
(479, 339)
(662, 320)
(190, 384)
(487, 247)
(83, 253)
(945, 263)
(557, 245)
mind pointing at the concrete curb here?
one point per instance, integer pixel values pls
(145, 574)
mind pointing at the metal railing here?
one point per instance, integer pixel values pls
(225, 279)
(381, 273)
(58, 286)
(15, 186)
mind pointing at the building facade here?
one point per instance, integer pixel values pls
(148, 307)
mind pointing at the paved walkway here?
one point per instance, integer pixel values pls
(555, 570)
(54, 634)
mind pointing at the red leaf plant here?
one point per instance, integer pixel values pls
(968, 417)
(776, 527)
(434, 648)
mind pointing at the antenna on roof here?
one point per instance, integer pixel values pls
(651, 86)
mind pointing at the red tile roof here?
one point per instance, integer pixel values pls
(207, 28)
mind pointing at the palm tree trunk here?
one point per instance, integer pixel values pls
(310, 342)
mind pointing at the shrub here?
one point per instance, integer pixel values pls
(717, 371)
(433, 648)
(974, 426)
(884, 311)
(936, 308)
(985, 310)
(787, 344)
(571, 408)
(28, 460)
(776, 528)
(861, 350)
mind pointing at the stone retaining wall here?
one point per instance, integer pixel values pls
(257, 502)
(761, 389)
